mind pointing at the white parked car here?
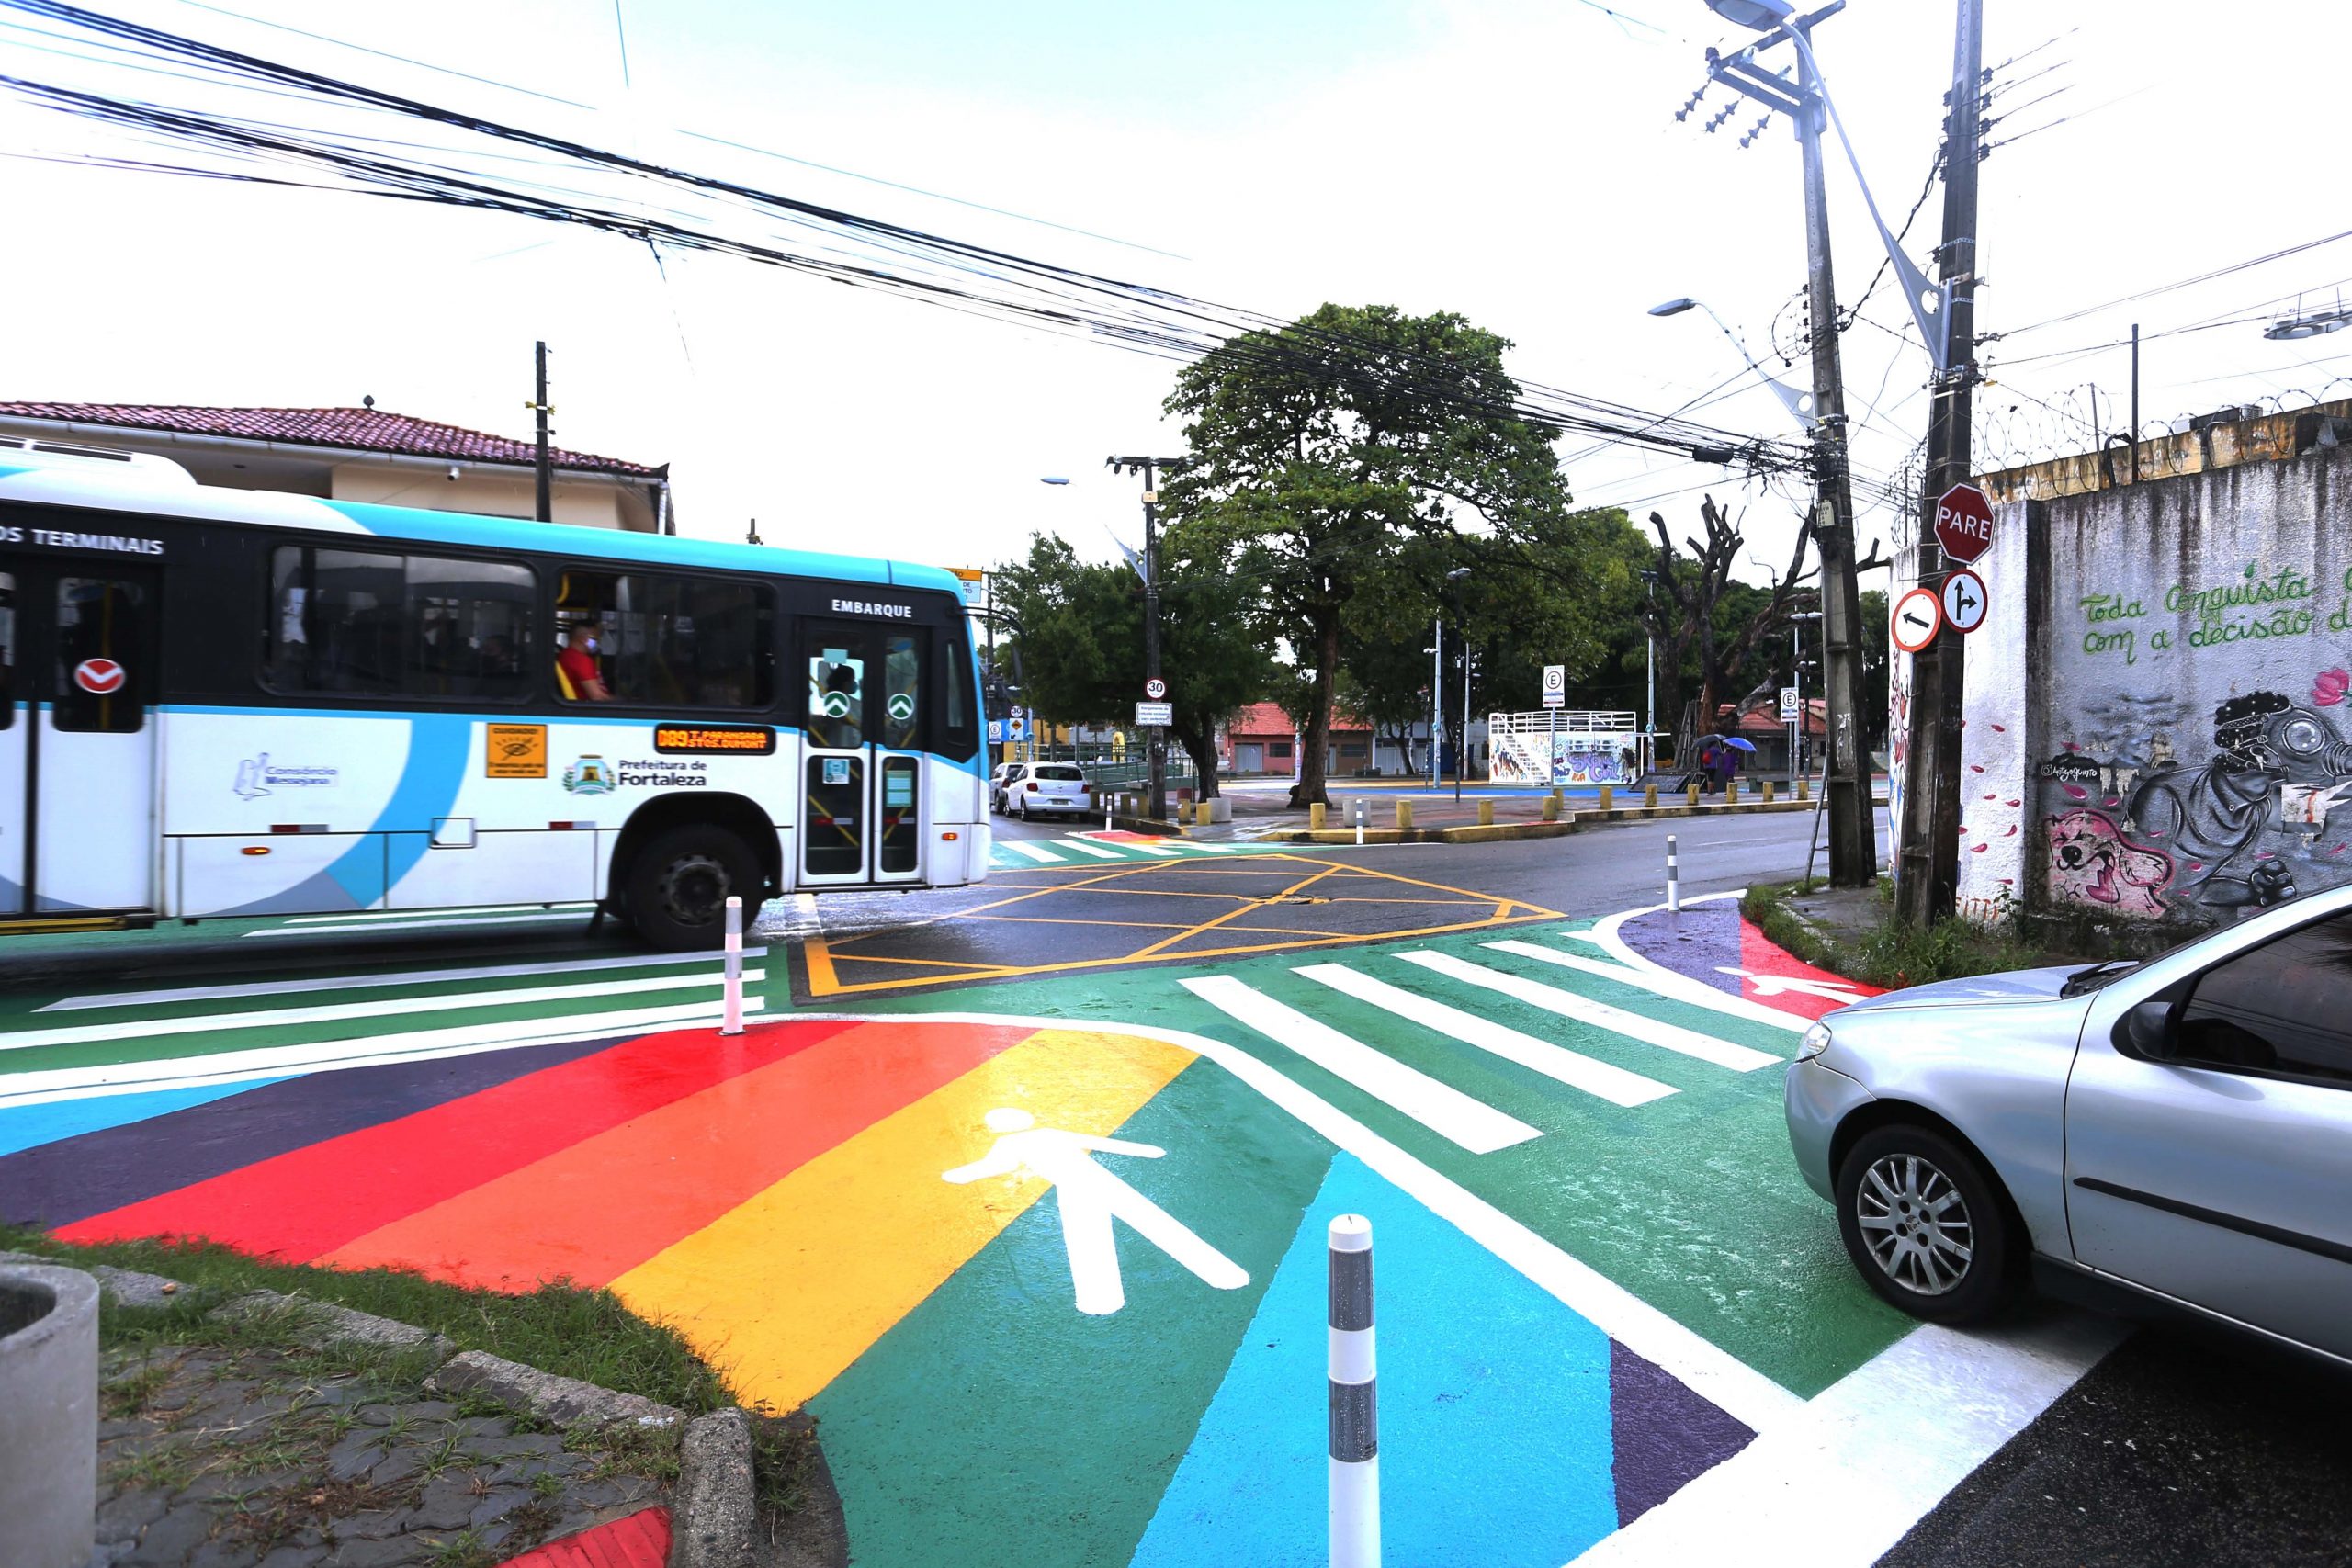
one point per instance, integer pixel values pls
(1039, 787)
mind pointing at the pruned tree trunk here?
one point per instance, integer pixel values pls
(1317, 742)
(1200, 744)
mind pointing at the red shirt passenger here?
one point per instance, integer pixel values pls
(577, 664)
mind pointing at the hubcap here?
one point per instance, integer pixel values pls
(1915, 1224)
(694, 890)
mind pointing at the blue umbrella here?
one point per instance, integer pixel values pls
(1737, 744)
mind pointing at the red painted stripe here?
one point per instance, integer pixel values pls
(309, 1200)
(1761, 955)
(640, 1541)
(592, 1212)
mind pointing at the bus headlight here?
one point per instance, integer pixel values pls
(1812, 1042)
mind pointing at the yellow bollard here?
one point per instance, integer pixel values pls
(1552, 806)
(1608, 798)
(1694, 798)
(1315, 816)
(1201, 812)
(1649, 797)
(1731, 792)
(1805, 789)
(1486, 814)
(1768, 791)
(1404, 815)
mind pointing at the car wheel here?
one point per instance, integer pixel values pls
(1923, 1223)
(679, 884)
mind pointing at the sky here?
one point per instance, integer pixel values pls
(1518, 163)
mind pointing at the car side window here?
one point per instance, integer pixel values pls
(2284, 1008)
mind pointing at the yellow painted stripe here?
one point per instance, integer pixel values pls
(785, 1291)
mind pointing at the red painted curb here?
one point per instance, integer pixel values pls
(640, 1541)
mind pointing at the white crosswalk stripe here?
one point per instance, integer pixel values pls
(1601, 1015)
(1098, 851)
(1034, 850)
(1445, 1109)
(1558, 1063)
(1676, 988)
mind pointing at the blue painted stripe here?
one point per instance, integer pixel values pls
(1495, 1418)
(431, 775)
(29, 1126)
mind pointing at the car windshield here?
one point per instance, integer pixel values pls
(1066, 775)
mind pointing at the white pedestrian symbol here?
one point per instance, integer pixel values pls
(1089, 1199)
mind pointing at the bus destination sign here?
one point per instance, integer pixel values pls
(713, 739)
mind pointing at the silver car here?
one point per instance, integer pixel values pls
(2177, 1133)
(1047, 786)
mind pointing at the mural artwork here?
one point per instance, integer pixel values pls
(2233, 828)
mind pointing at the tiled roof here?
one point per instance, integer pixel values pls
(357, 430)
(1268, 718)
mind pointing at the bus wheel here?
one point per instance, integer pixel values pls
(678, 887)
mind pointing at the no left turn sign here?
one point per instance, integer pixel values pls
(1963, 602)
(1918, 617)
(101, 676)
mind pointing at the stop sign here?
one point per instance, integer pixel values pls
(1964, 522)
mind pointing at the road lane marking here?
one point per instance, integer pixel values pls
(1601, 1015)
(1558, 1063)
(1440, 1107)
(1658, 982)
(1153, 850)
(205, 1023)
(362, 982)
(424, 914)
(1705, 1368)
(1850, 1472)
(1034, 850)
(412, 925)
(1097, 851)
(43, 1087)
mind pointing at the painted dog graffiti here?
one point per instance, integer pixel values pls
(2093, 864)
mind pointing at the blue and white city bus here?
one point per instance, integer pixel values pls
(227, 702)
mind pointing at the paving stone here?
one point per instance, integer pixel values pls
(355, 1456)
(222, 1554)
(500, 1500)
(122, 1519)
(293, 1556)
(394, 1552)
(397, 1467)
(445, 1504)
(169, 1539)
(379, 1415)
(540, 1445)
(109, 1430)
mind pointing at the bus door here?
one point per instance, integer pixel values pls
(78, 651)
(862, 776)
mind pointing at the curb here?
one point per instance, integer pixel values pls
(711, 1511)
(1568, 822)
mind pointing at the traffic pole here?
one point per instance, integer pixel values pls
(1673, 878)
(1355, 1399)
(733, 1020)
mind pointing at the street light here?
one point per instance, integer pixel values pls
(1799, 404)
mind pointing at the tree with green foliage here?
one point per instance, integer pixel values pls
(1079, 628)
(1320, 450)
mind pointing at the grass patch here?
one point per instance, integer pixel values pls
(558, 1327)
(1886, 953)
(781, 1450)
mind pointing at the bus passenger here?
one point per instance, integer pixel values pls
(576, 671)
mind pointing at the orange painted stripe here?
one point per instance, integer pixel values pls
(789, 1288)
(594, 1209)
(636, 1540)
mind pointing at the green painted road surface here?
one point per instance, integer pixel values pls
(1689, 1200)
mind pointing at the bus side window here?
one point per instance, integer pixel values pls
(7, 649)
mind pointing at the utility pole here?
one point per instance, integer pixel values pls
(545, 512)
(1853, 854)
(1156, 743)
(1928, 882)
(1437, 694)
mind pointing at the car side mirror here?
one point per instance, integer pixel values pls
(2146, 1031)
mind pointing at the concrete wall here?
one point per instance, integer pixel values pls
(2159, 722)
(493, 492)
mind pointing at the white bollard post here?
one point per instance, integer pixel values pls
(1673, 879)
(733, 1021)
(1354, 1407)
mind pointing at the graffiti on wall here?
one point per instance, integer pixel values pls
(1575, 758)
(2233, 817)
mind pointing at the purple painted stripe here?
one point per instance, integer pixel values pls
(1663, 1436)
(1700, 940)
(72, 1179)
